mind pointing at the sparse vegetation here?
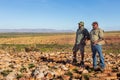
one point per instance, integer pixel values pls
(6, 72)
(69, 73)
(115, 69)
(40, 54)
(75, 70)
(59, 42)
(31, 66)
(11, 66)
(86, 76)
(23, 69)
(19, 76)
(39, 47)
(43, 43)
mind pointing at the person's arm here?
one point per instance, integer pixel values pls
(76, 37)
(86, 36)
(75, 42)
(101, 35)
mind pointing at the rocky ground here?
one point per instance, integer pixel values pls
(54, 66)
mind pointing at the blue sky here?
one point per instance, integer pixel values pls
(59, 14)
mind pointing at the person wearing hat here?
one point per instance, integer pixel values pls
(96, 36)
(82, 35)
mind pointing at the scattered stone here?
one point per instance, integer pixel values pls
(66, 77)
(85, 71)
(33, 65)
(49, 76)
(64, 67)
(76, 76)
(40, 75)
(11, 76)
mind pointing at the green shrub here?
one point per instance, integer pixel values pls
(6, 72)
(23, 69)
(19, 76)
(86, 76)
(31, 66)
(68, 73)
(75, 70)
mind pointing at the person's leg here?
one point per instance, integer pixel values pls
(99, 50)
(74, 57)
(93, 47)
(75, 49)
(82, 54)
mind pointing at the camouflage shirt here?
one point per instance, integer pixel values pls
(81, 34)
(96, 35)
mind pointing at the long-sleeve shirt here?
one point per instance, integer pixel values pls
(81, 35)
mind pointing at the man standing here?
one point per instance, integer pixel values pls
(96, 36)
(82, 35)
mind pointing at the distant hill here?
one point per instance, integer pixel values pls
(34, 31)
(112, 31)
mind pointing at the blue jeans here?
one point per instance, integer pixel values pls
(97, 48)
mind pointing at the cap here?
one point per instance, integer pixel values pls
(81, 23)
(95, 23)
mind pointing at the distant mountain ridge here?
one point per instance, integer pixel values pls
(34, 31)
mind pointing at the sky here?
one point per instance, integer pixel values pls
(59, 14)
